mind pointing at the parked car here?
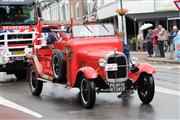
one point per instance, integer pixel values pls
(88, 57)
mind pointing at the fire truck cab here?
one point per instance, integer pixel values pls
(18, 21)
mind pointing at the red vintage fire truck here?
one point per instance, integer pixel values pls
(18, 21)
(89, 57)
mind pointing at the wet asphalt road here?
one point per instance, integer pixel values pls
(57, 102)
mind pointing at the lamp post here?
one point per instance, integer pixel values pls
(121, 6)
(121, 12)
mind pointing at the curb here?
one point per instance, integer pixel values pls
(161, 60)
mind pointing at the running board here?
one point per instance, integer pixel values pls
(45, 80)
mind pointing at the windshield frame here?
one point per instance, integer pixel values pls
(90, 31)
(23, 23)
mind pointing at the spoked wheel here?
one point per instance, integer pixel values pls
(146, 88)
(35, 85)
(87, 92)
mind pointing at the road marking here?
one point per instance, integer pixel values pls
(167, 91)
(12, 105)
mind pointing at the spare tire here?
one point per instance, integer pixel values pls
(57, 66)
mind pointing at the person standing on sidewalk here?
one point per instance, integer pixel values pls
(162, 36)
(140, 41)
(173, 34)
(155, 42)
(149, 43)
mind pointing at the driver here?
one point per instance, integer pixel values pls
(51, 38)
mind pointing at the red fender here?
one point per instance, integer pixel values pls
(89, 72)
(143, 67)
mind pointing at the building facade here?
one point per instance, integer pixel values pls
(155, 12)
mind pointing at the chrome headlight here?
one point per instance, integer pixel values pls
(102, 62)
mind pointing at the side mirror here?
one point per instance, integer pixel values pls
(30, 46)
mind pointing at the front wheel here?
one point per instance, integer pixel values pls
(35, 85)
(87, 92)
(146, 88)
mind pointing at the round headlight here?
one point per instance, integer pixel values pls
(102, 62)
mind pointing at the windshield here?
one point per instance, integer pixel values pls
(17, 14)
(93, 30)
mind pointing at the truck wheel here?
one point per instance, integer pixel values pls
(146, 88)
(57, 65)
(35, 85)
(21, 75)
(87, 92)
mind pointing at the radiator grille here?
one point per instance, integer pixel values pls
(1, 37)
(19, 36)
(121, 62)
(121, 72)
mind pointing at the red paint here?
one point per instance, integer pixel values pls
(85, 56)
(89, 72)
(143, 67)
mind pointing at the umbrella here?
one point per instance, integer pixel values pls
(145, 26)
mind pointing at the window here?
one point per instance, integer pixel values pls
(17, 14)
(72, 11)
(77, 10)
(63, 9)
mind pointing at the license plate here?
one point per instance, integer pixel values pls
(18, 53)
(111, 67)
(116, 87)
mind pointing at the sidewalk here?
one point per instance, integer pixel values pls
(143, 56)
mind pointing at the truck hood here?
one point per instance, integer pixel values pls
(94, 53)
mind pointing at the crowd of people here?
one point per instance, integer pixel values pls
(156, 39)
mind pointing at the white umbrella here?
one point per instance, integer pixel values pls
(145, 26)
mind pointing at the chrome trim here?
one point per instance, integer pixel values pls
(117, 54)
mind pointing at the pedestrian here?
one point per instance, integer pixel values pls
(140, 40)
(178, 34)
(149, 43)
(162, 36)
(155, 42)
(171, 41)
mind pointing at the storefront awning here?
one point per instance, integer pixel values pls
(174, 18)
(153, 15)
(12, 2)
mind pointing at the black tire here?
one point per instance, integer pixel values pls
(146, 88)
(21, 74)
(87, 92)
(35, 85)
(57, 66)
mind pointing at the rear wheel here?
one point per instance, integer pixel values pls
(35, 85)
(87, 92)
(146, 88)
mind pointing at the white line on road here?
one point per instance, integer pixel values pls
(12, 105)
(167, 91)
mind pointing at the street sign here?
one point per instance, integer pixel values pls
(177, 3)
